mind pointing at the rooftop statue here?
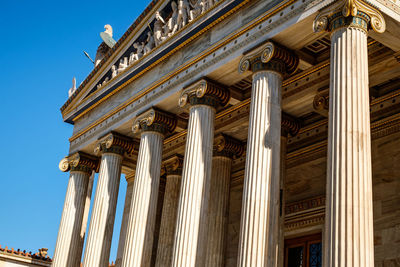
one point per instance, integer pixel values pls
(108, 42)
(107, 36)
(73, 88)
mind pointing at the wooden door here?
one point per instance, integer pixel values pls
(303, 251)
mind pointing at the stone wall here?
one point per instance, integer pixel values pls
(308, 180)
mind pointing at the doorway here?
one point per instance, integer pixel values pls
(305, 251)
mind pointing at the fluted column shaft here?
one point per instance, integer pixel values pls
(168, 220)
(98, 244)
(140, 231)
(191, 229)
(125, 217)
(349, 224)
(282, 200)
(260, 206)
(68, 251)
(218, 211)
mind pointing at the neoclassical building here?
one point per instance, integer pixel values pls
(250, 133)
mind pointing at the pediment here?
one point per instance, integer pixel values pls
(156, 34)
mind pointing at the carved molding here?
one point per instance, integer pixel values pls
(79, 161)
(172, 165)
(115, 143)
(305, 213)
(155, 120)
(227, 146)
(359, 13)
(270, 56)
(203, 88)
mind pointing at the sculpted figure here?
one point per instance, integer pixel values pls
(113, 71)
(105, 81)
(183, 13)
(172, 26)
(123, 64)
(150, 44)
(158, 29)
(139, 50)
(198, 9)
(73, 88)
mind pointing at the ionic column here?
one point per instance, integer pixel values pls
(290, 126)
(173, 168)
(71, 234)
(258, 244)
(225, 149)
(153, 125)
(125, 217)
(112, 148)
(191, 230)
(349, 236)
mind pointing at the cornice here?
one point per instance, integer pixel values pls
(120, 45)
(236, 4)
(162, 85)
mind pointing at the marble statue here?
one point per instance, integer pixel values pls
(171, 27)
(150, 44)
(158, 29)
(73, 88)
(105, 81)
(105, 46)
(123, 64)
(197, 10)
(183, 13)
(114, 71)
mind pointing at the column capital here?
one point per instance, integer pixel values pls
(270, 56)
(155, 120)
(227, 146)
(349, 13)
(321, 103)
(79, 161)
(173, 165)
(115, 143)
(204, 92)
(289, 125)
(130, 177)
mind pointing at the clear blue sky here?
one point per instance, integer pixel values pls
(41, 48)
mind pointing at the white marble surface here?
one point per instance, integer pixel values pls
(140, 231)
(191, 231)
(98, 244)
(349, 236)
(258, 246)
(68, 251)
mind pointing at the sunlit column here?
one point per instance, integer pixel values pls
(71, 234)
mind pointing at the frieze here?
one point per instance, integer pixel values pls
(134, 60)
(280, 14)
(305, 213)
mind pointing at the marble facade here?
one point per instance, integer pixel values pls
(269, 120)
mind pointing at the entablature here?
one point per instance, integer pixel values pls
(216, 53)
